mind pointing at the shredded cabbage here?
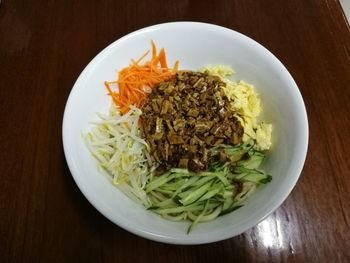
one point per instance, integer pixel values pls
(116, 144)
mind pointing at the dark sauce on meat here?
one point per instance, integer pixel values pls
(184, 117)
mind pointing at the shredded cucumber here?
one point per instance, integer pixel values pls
(202, 197)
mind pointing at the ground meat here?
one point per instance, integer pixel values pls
(184, 117)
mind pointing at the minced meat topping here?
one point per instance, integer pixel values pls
(186, 116)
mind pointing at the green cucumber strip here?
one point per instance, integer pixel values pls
(152, 207)
(253, 162)
(228, 194)
(186, 193)
(246, 170)
(187, 184)
(227, 203)
(266, 180)
(231, 176)
(240, 176)
(198, 218)
(209, 216)
(203, 180)
(165, 204)
(214, 167)
(163, 191)
(232, 190)
(212, 215)
(173, 186)
(229, 210)
(228, 148)
(159, 181)
(196, 194)
(180, 209)
(210, 193)
(257, 178)
(243, 172)
(222, 178)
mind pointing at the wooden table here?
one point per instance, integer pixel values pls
(44, 45)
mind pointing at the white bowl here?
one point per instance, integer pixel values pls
(195, 45)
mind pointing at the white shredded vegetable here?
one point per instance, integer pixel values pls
(116, 144)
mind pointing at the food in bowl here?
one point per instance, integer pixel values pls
(185, 144)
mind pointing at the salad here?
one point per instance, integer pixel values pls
(185, 144)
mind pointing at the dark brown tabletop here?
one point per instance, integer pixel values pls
(44, 45)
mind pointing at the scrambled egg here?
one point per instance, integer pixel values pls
(246, 103)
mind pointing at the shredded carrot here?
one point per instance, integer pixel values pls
(136, 80)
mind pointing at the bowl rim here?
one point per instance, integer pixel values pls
(162, 238)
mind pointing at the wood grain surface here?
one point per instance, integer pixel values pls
(44, 45)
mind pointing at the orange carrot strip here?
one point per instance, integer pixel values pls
(162, 59)
(132, 79)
